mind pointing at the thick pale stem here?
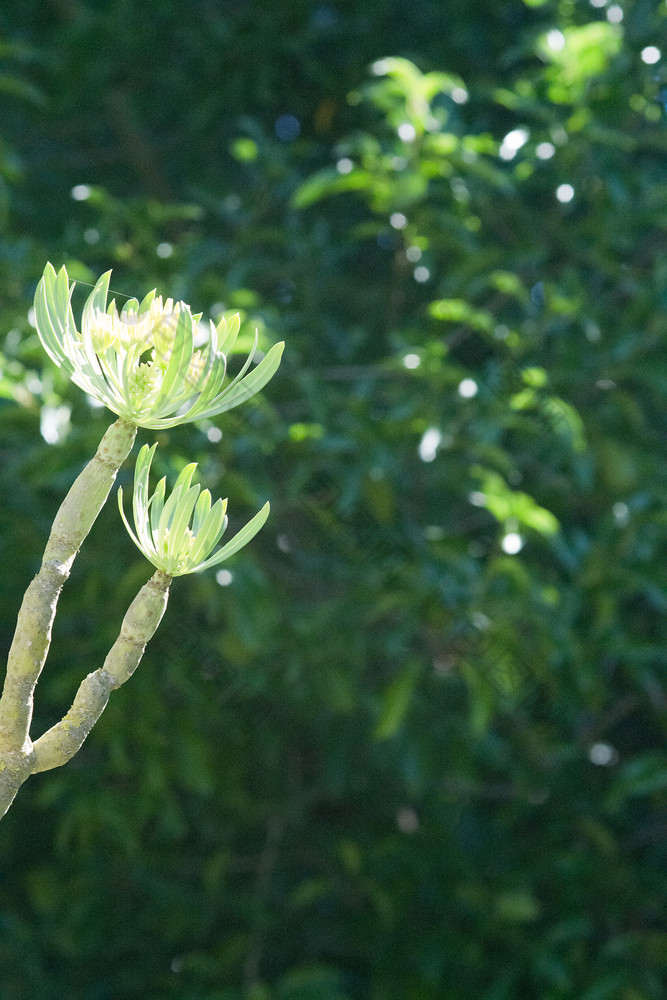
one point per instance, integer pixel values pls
(63, 740)
(14, 769)
(35, 620)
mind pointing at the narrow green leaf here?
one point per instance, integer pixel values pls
(239, 540)
(396, 701)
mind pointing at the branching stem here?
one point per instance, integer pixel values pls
(63, 740)
(32, 637)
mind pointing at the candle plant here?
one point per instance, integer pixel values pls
(155, 365)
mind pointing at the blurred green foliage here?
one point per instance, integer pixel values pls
(415, 749)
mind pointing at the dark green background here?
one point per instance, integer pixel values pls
(390, 760)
